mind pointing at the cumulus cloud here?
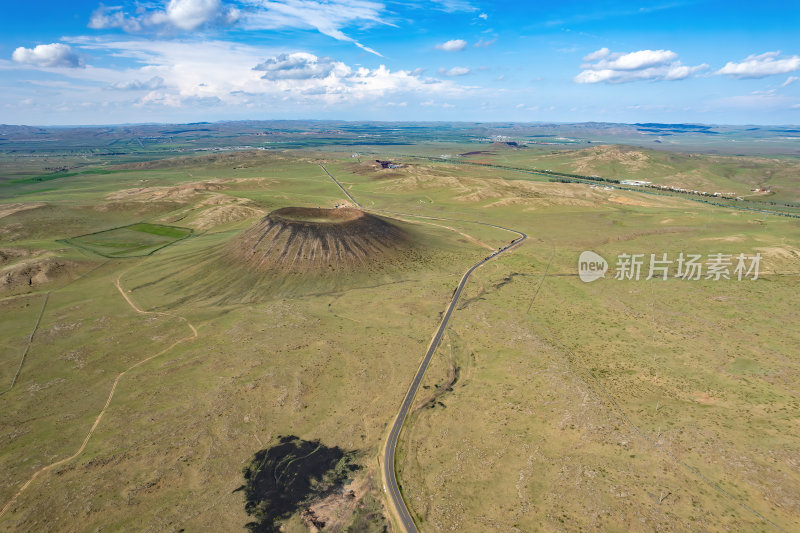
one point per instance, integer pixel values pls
(48, 55)
(154, 83)
(336, 81)
(634, 60)
(114, 17)
(455, 71)
(183, 73)
(186, 15)
(760, 66)
(602, 66)
(301, 66)
(455, 45)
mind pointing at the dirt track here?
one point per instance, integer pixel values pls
(110, 394)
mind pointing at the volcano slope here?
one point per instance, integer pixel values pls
(318, 239)
(295, 251)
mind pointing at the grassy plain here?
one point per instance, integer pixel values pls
(615, 405)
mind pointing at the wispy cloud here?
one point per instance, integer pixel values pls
(761, 66)
(455, 71)
(605, 12)
(153, 84)
(603, 66)
(329, 17)
(453, 6)
(759, 100)
(790, 80)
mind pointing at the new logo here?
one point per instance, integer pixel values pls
(591, 266)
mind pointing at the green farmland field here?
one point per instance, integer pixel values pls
(135, 240)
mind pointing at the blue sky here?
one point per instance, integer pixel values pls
(86, 62)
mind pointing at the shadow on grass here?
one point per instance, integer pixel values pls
(282, 479)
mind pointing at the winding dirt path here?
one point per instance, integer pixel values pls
(110, 394)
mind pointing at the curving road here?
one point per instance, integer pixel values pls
(388, 470)
(388, 464)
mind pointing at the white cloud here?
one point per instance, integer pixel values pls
(597, 54)
(790, 80)
(191, 14)
(634, 60)
(48, 55)
(113, 17)
(483, 44)
(455, 45)
(300, 66)
(431, 103)
(186, 15)
(326, 16)
(655, 65)
(154, 83)
(455, 71)
(451, 6)
(760, 66)
(483, 16)
(220, 73)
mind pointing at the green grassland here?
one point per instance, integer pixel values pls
(615, 405)
(703, 370)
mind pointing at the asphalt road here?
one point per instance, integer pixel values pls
(340, 186)
(388, 470)
(388, 464)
